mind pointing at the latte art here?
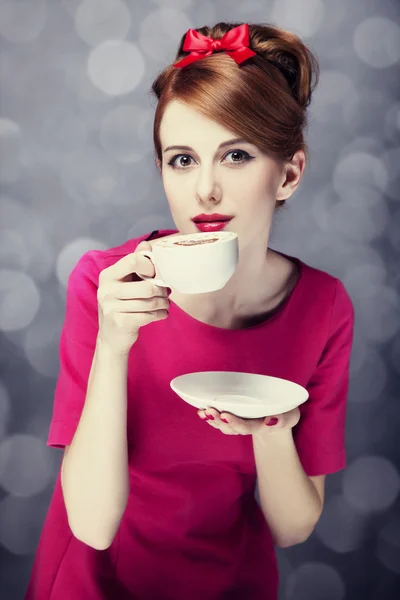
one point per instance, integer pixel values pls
(196, 239)
(195, 242)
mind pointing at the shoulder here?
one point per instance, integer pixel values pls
(329, 294)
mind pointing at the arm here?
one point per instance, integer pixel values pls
(290, 501)
(94, 474)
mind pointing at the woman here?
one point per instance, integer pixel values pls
(154, 501)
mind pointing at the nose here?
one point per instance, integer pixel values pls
(208, 190)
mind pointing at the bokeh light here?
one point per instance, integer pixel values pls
(315, 580)
(371, 483)
(22, 21)
(116, 67)
(341, 528)
(160, 31)
(377, 42)
(19, 300)
(71, 254)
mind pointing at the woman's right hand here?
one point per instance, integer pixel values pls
(125, 305)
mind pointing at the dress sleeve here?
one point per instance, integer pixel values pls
(77, 346)
(320, 434)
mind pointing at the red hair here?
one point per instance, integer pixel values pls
(264, 100)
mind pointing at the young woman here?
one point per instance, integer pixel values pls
(155, 501)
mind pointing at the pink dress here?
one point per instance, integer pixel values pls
(192, 529)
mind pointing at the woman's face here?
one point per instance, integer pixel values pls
(235, 179)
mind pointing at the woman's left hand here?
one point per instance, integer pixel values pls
(237, 426)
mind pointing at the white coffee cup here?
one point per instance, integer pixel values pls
(194, 263)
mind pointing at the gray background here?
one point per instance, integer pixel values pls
(77, 172)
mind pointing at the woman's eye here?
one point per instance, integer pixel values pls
(235, 154)
(172, 162)
(239, 152)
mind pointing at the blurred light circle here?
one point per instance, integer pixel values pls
(22, 21)
(371, 483)
(10, 150)
(89, 176)
(5, 409)
(357, 167)
(25, 465)
(340, 527)
(21, 521)
(388, 547)
(391, 160)
(70, 255)
(315, 580)
(377, 42)
(305, 18)
(99, 20)
(116, 67)
(122, 131)
(19, 300)
(159, 32)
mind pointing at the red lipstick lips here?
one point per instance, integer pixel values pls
(211, 223)
(203, 218)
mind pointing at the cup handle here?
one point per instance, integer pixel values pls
(157, 280)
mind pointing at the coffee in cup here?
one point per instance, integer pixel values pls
(194, 263)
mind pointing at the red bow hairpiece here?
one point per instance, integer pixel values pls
(235, 42)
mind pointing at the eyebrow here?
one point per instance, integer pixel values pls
(227, 143)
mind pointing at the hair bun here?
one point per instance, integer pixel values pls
(286, 52)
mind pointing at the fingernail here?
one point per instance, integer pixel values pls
(272, 421)
(210, 417)
(224, 420)
(169, 291)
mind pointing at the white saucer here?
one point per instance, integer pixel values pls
(245, 395)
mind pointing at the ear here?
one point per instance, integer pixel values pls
(291, 176)
(158, 163)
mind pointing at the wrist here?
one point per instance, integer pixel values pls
(105, 350)
(274, 438)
